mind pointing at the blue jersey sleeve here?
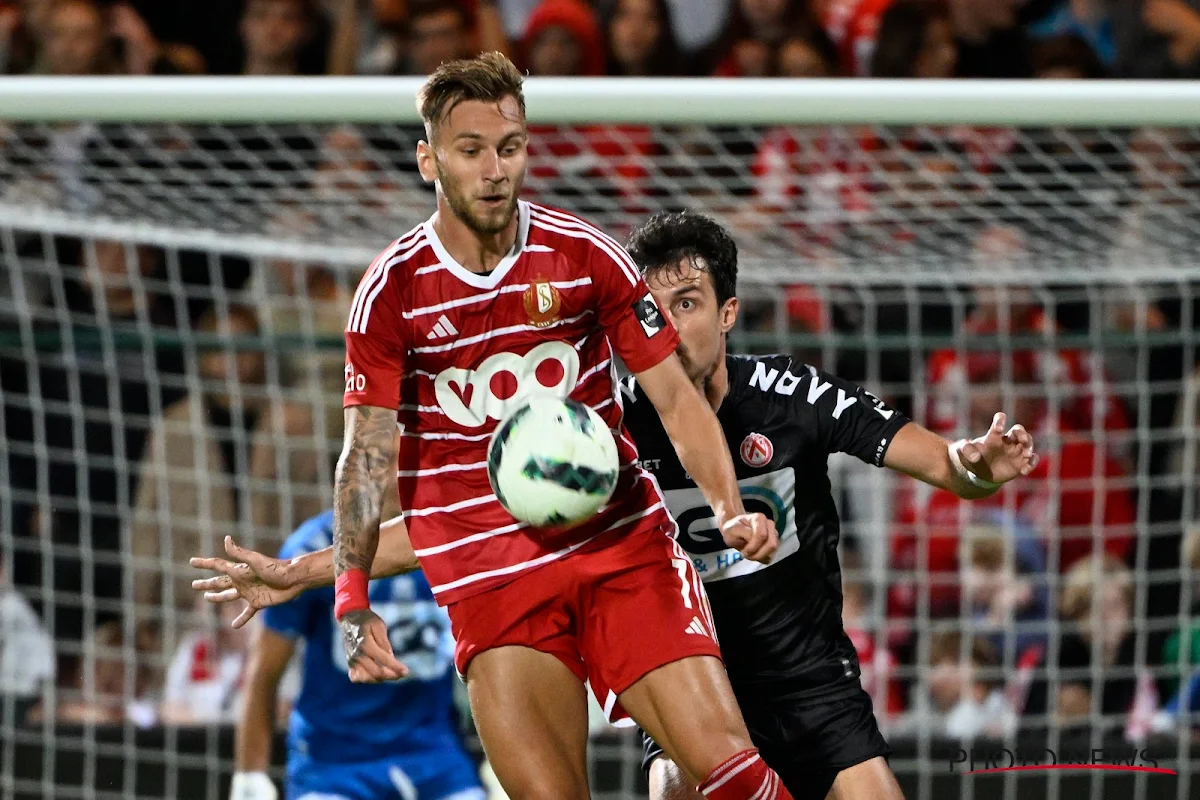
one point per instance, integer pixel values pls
(292, 619)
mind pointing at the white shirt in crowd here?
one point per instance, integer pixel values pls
(26, 650)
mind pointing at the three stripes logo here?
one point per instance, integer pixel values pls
(443, 328)
(696, 627)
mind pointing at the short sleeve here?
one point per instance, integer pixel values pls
(639, 332)
(376, 344)
(848, 418)
(289, 619)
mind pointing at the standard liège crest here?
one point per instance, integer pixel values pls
(542, 303)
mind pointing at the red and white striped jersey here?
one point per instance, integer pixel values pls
(455, 351)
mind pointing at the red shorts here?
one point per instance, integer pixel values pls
(611, 615)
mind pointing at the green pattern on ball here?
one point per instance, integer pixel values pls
(575, 477)
(579, 416)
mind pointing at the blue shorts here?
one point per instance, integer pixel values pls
(444, 774)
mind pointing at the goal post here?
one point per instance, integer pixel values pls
(170, 246)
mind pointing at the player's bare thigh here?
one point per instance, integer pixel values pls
(688, 707)
(531, 714)
(870, 780)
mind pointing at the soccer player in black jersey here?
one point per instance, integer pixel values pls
(791, 665)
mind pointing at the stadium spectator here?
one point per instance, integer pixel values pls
(992, 38)
(1156, 38)
(563, 38)
(853, 25)
(75, 41)
(114, 680)
(965, 695)
(1004, 584)
(755, 32)
(370, 40)
(1097, 598)
(1083, 21)
(204, 679)
(1077, 489)
(876, 662)
(226, 455)
(17, 40)
(1066, 58)
(274, 35)
(806, 53)
(1181, 652)
(439, 31)
(640, 39)
(27, 662)
(915, 40)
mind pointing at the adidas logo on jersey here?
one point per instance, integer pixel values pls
(442, 328)
(697, 627)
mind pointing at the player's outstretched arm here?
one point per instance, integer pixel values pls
(262, 581)
(366, 466)
(269, 658)
(971, 468)
(694, 430)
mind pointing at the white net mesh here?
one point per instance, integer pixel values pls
(171, 311)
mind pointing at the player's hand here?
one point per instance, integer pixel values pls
(260, 580)
(752, 535)
(998, 456)
(368, 650)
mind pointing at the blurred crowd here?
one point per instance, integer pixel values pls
(158, 398)
(752, 38)
(1070, 598)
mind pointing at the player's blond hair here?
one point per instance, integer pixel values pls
(487, 78)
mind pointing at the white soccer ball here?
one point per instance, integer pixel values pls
(552, 462)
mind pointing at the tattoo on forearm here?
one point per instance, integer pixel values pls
(366, 464)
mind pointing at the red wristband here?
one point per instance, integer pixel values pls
(351, 595)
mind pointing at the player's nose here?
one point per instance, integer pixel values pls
(492, 169)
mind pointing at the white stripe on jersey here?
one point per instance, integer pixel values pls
(602, 240)
(510, 569)
(592, 371)
(372, 274)
(482, 337)
(475, 537)
(461, 504)
(493, 573)
(422, 473)
(458, 437)
(480, 298)
(552, 226)
(365, 312)
(421, 409)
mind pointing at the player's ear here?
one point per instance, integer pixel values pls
(425, 161)
(729, 312)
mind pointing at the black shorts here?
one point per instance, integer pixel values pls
(807, 741)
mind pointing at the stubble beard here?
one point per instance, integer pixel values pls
(461, 207)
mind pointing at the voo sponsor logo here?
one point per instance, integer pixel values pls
(503, 381)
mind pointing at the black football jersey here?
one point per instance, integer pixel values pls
(779, 624)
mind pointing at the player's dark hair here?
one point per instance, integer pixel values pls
(668, 238)
(488, 78)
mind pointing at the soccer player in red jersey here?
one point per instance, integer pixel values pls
(452, 327)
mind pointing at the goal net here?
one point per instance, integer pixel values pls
(173, 291)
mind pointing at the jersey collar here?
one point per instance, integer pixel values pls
(493, 278)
